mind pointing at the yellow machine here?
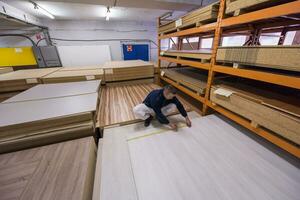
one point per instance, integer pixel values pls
(17, 56)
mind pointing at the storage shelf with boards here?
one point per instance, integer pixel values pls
(277, 17)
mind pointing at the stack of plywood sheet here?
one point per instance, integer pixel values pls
(202, 54)
(4, 70)
(188, 77)
(206, 161)
(195, 18)
(238, 7)
(278, 113)
(49, 113)
(71, 74)
(128, 70)
(277, 57)
(59, 171)
(14, 82)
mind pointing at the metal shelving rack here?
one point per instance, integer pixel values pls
(228, 25)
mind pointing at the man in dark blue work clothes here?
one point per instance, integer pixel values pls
(161, 102)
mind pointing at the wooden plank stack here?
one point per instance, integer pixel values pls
(128, 70)
(192, 19)
(188, 77)
(237, 7)
(203, 54)
(72, 74)
(66, 111)
(4, 70)
(59, 171)
(276, 57)
(205, 161)
(15, 82)
(278, 113)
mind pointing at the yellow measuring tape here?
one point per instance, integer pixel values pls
(181, 125)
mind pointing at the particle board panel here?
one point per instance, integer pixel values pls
(195, 54)
(81, 68)
(97, 179)
(58, 171)
(276, 57)
(156, 163)
(117, 102)
(73, 76)
(279, 114)
(4, 70)
(188, 77)
(18, 112)
(57, 90)
(117, 181)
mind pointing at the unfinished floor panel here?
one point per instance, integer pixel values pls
(58, 171)
(211, 160)
(117, 102)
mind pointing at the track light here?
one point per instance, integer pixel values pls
(42, 10)
(107, 14)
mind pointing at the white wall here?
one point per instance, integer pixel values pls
(94, 30)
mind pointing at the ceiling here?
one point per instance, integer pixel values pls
(122, 10)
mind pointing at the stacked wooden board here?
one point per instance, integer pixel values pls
(278, 113)
(206, 161)
(71, 74)
(59, 171)
(188, 77)
(277, 57)
(15, 82)
(203, 54)
(128, 70)
(4, 70)
(49, 113)
(238, 7)
(195, 18)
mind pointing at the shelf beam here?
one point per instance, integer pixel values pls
(183, 89)
(284, 80)
(192, 31)
(196, 64)
(275, 11)
(292, 149)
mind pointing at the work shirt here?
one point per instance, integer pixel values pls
(156, 100)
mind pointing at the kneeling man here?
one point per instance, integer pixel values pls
(161, 102)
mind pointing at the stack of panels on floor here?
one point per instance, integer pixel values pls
(203, 54)
(128, 70)
(278, 113)
(277, 57)
(206, 161)
(4, 70)
(71, 74)
(15, 82)
(59, 171)
(188, 77)
(195, 18)
(239, 6)
(33, 118)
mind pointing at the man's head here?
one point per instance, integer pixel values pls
(169, 92)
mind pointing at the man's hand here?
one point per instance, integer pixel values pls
(188, 121)
(173, 126)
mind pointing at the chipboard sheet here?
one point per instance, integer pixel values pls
(29, 111)
(213, 159)
(57, 90)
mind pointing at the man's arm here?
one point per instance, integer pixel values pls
(179, 107)
(160, 116)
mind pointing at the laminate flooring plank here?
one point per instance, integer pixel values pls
(56, 90)
(211, 160)
(117, 102)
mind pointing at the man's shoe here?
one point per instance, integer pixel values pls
(147, 121)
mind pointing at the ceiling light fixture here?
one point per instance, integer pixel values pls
(107, 16)
(42, 10)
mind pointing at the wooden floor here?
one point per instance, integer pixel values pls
(117, 102)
